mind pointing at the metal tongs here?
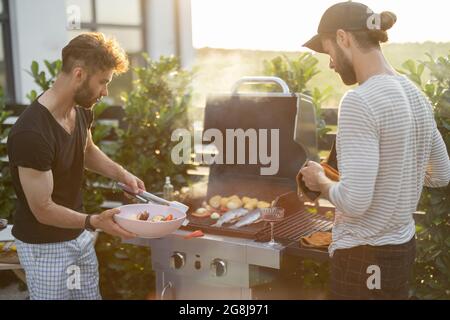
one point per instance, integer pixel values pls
(147, 197)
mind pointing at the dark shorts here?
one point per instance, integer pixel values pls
(368, 272)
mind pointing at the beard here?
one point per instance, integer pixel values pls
(344, 67)
(84, 96)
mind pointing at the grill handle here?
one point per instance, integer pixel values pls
(258, 79)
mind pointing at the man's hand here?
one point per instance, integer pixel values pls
(105, 221)
(133, 182)
(312, 174)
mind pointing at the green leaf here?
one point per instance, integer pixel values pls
(50, 68)
(57, 66)
(32, 95)
(437, 221)
(34, 69)
(419, 228)
(42, 80)
(446, 124)
(410, 65)
(436, 198)
(447, 242)
(420, 69)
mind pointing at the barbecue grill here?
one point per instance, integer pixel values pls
(227, 263)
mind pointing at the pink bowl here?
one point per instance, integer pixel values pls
(147, 229)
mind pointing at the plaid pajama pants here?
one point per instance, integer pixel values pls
(61, 271)
(353, 272)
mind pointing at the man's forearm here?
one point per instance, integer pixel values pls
(97, 161)
(325, 185)
(59, 216)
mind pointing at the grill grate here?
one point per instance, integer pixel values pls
(295, 226)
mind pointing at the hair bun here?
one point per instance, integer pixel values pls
(388, 19)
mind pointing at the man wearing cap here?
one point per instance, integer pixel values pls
(388, 148)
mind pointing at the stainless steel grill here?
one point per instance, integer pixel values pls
(227, 263)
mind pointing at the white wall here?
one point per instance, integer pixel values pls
(161, 29)
(187, 51)
(38, 32)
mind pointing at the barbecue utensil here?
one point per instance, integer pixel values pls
(147, 197)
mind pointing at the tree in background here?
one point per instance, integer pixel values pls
(297, 73)
(432, 268)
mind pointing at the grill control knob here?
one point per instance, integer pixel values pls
(177, 260)
(218, 267)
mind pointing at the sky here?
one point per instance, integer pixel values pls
(287, 24)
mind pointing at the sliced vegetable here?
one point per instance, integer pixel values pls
(195, 234)
(201, 213)
(215, 216)
(169, 218)
(157, 218)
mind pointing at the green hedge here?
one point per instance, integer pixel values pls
(432, 268)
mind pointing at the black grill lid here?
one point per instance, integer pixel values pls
(257, 112)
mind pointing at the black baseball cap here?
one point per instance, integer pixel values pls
(349, 16)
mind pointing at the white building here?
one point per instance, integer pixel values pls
(39, 29)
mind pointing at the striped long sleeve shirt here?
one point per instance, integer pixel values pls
(388, 147)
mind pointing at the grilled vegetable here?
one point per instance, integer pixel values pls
(201, 213)
(215, 216)
(143, 216)
(157, 218)
(252, 204)
(224, 201)
(263, 204)
(234, 203)
(246, 200)
(215, 201)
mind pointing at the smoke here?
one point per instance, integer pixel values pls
(218, 69)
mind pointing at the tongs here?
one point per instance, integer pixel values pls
(147, 197)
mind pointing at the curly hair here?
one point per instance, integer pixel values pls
(95, 52)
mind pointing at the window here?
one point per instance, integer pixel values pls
(122, 19)
(6, 66)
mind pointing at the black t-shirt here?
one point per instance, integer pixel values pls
(39, 142)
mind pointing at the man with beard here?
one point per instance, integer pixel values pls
(48, 147)
(388, 148)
